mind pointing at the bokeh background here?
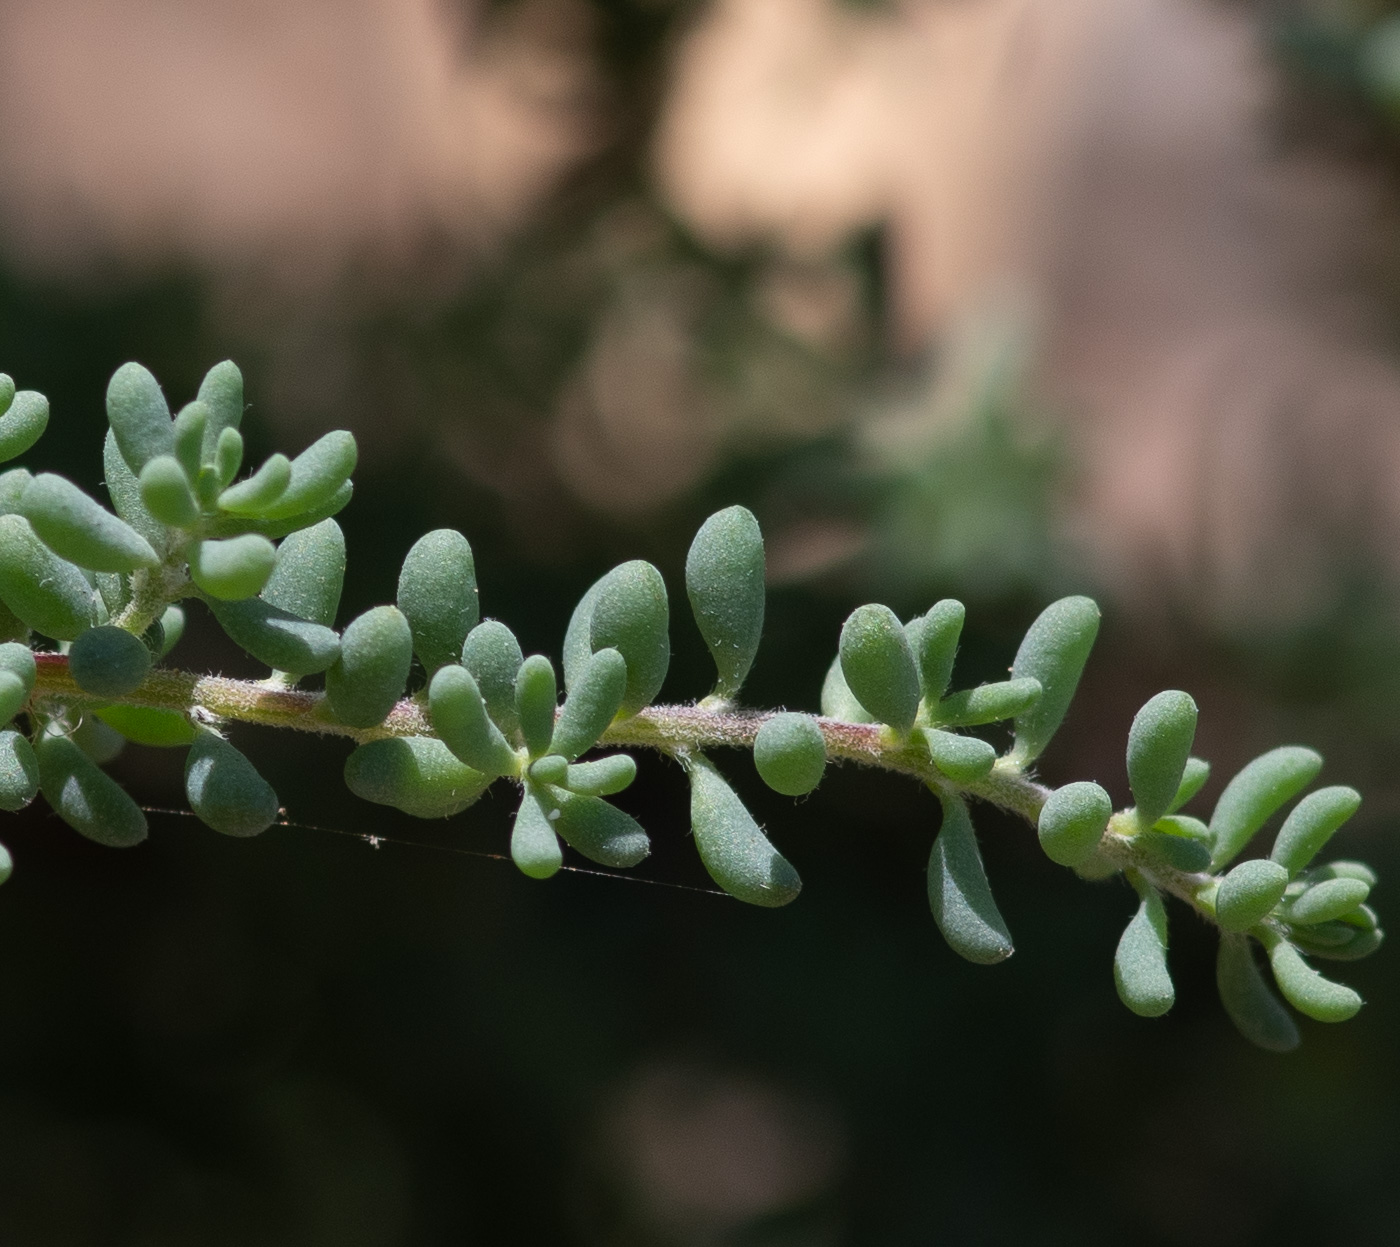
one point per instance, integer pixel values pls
(993, 298)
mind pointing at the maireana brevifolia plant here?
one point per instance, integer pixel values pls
(89, 610)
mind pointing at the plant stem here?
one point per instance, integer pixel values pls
(673, 730)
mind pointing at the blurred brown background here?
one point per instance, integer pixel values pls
(997, 298)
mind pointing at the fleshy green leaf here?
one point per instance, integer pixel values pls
(1072, 822)
(232, 569)
(81, 530)
(125, 492)
(368, 678)
(438, 594)
(600, 831)
(23, 423)
(460, 717)
(19, 772)
(225, 790)
(1248, 893)
(789, 751)
(139, 416)
(85, 797)
(146, 725)
(258, 494)
(878, 666)
(1140, 964)
(724, 577)
(1265, 785)
(735, 851)
(309, 574)
(838, 702)
(221, 394)
(276, 637)
(630, 614)
(934, 639)
(166, 492)
(592, 704)
(1311, 823)
(601, 777)
(963, 759)
(318, 473)
(1306, 990)
(1193, 779)
(1054, 651)
(959, 894)
(416, 774)
(1325, 901)
(533, 845)
(108, 661)
(1159, 742)
(989, 703)
(1251, 1006)
(536, 696)
(47, 592)
(492, 655)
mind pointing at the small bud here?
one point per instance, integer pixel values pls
(1072, 822)
(735, 851)
(368, 678)
(85, 797)
(438, 594)
(1251, 1006)
(1159, 742)
(724, 574)
(225, 790)
(1265, 785)
(790, 754)
(959, 894)
(81, 530)
(879, 666)
(1054, 651)
(416, 774)
(1248, 893)
(108, 661)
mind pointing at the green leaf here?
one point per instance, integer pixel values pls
(166, 492)
(724, 577)
(309, 575)
(1353, 945)
(190, 426)
(228, 458)
(592, 704)
(631, 615)
(108, 661)
(86, 798)
(81, 530)
(459, 716)
(48, 593)
(1178, 852)
(232, 569)
(1193, 779)
(934, 639)
(602, 777)
(19, 772)
(1249, 893)
(1342, 870)
(989, 703)
(838, 702)
(600, 831)
(416, 774)
(12, 486)
(172, 627)
(878, 666)
(438, 594)
(318, 473)
(536, 697)
(125, 491)
(221, 394)
(1311, 823)
(258, 494)
(959, 894)
(1251, 1006)
(1072, 822)
(1159, 742)
(551, 769)
(139, 416)
(1325, 901)
(7, 864)
(23, 423)
(1306, 990)
(789, 751)
(230, 525)
(963, 759)
(492, 655)
(734, 850)
(578, 637)
(533, 845)
(18, 661)
(146, 725)
(1265, 785)
(1140, 964)
(13, 695)
(101, 744)
(1054, 651)
(225, 790)
(368, 677)
(276, 637)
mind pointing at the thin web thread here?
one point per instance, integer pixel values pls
(376, 841)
